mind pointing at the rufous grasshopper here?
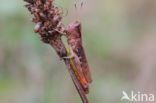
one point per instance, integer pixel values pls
(78, 58)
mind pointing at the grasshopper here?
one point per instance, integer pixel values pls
(78, 57)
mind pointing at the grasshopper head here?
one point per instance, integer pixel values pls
(74, 29)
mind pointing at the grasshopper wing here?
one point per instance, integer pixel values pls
(84, 63)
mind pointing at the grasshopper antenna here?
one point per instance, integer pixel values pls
(77, 11)
(81, 5)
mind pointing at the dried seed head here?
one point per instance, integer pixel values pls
(44, 11)
(48, 19)
(37, 27)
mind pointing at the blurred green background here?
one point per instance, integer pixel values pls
(119, 37)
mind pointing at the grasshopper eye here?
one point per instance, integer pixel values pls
(77, 25)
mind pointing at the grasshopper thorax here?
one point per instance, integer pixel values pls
(74, 30)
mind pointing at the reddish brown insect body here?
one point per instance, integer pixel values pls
(75, 43)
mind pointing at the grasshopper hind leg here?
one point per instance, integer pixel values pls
(70, 52)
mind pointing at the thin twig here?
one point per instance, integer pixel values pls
(69, 67)
(76, 82)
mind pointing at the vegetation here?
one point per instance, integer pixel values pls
(118, 36)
